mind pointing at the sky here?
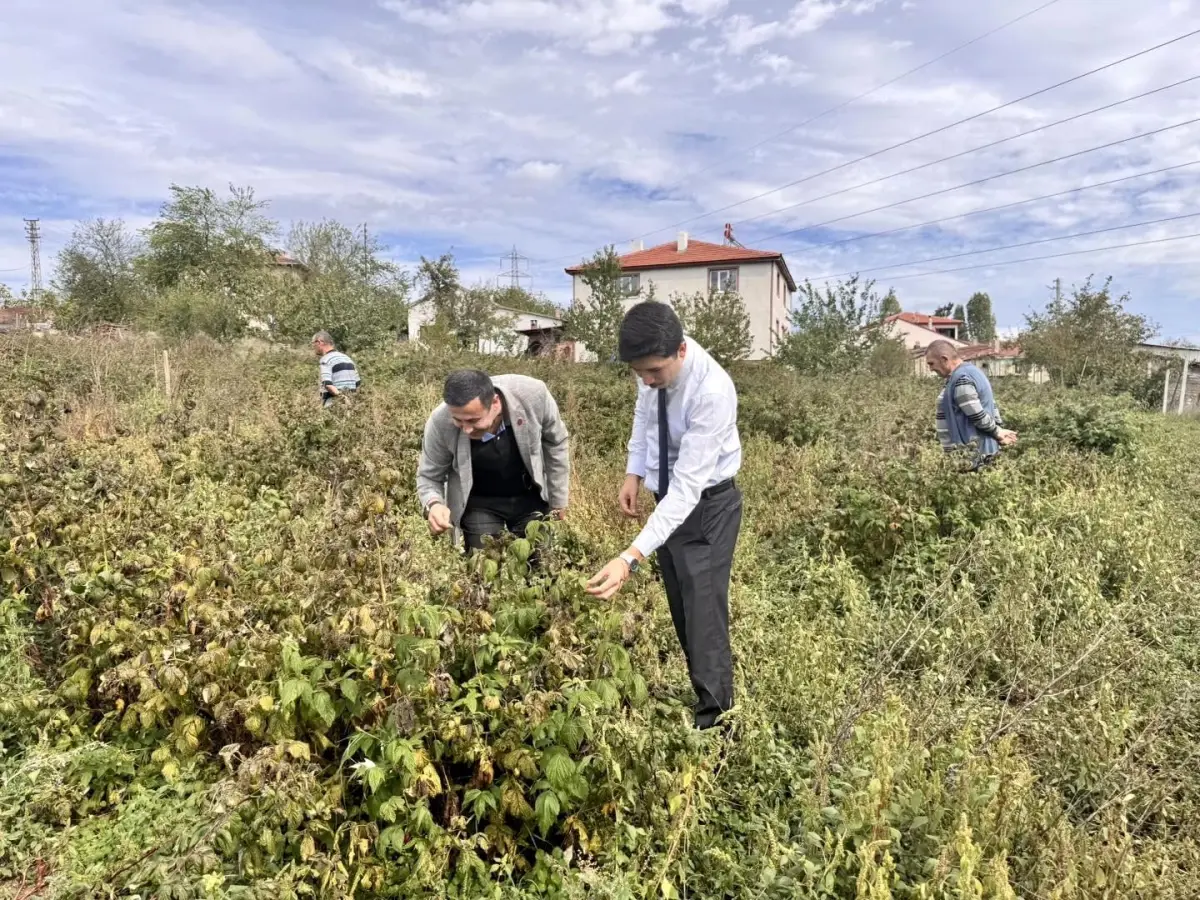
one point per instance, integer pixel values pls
(557, 127)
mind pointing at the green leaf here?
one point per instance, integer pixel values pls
(292, 662)
(392, 837)
(609, 696)
(293, 689)
(391, 808)
(422, 819)
(376, 776)
(322, 706)
(349, 689)
(547, 808)
(558, 766)
(360, 740)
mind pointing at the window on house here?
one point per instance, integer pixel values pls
(720, 280)
(630, 284)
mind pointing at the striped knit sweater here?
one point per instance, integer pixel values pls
(337, 369)
(966, 398)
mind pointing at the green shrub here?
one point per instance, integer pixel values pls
(1096, 425)
(233, 663)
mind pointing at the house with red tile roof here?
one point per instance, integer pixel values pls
(919, 330)
(687, 266)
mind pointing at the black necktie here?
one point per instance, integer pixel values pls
(664, 437)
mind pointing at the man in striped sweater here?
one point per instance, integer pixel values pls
(338, 374)
(967, 415)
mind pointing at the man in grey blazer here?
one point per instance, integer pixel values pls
(495, 456)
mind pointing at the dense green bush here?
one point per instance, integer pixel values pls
(234, 664)
(1098, 424)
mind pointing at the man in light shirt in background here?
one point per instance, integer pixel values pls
(686, 450)
(337, 374)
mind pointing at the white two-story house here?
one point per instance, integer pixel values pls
(686, 267)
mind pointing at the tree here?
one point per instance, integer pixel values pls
(190, 307)
(462, 317)
(835, 331)
(208, 240)
(1087, 338)
(944, 310)
(349, 289)
(718, 321)
(596, 320)
(6, 296)
(890, 305)
(519, 298)
(890, 358)
(981, 322)
(95, 275)
(961, 314)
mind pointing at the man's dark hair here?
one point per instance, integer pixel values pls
(466, 385)
(649, 329)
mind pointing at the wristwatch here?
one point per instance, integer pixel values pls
(630, 560)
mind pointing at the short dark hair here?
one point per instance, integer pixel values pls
(649, 328)
(466, 385)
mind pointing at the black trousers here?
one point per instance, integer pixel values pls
(696, 561)
(494, 515)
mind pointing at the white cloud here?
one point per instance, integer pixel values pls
(783, 69)
(601, 26)
(742, 33)
(809, 15)
(704, 9)
(729, 84)
(384, 78)
(776, 63)
(631, 83)
(540, 170)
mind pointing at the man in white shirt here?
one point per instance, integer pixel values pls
(686, 450)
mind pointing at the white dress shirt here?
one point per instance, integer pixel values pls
(703, 448)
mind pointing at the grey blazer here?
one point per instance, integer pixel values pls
(444, 472)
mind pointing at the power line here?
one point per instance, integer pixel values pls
(1011, 262)
(935, 131)
(975, 212)
(1033, 243)
(987, 178)
(864, 94)
(987, 146)
(843, 105)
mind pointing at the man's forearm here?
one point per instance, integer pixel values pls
(429, 490)
(967, 400)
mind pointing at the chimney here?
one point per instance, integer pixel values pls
(995, 343)
(681, 242)
(637, 245)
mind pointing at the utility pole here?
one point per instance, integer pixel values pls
(1057, 291)
(33, 231)
(515, 272)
